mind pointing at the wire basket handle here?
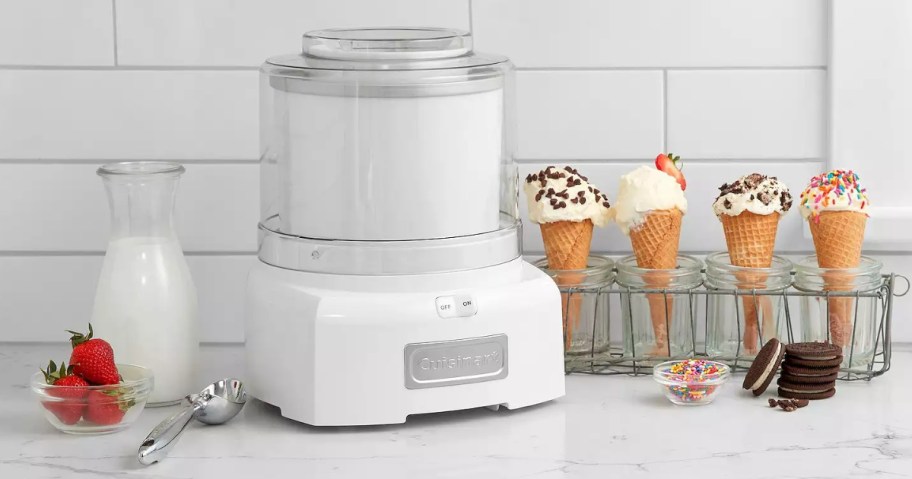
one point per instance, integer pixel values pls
(905, 291)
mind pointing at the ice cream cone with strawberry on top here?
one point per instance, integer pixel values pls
(566, 207)
(649, 207)
(836, 208)
(749, 209)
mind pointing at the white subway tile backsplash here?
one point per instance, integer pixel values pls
(246, 32)
(63, 208)
(45, 295)
(656, 33)
(120, 115)
(588, 114)
(744, 114)
(701, 231)
(56, 32)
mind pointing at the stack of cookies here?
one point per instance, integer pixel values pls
(809, 370)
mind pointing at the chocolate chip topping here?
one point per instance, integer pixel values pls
(765, 189)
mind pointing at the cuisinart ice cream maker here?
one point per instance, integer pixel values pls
(390, 279)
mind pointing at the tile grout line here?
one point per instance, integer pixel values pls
(665, 111)
(92, 253)
(685, 69)
(691, 161)
(127, 68)
(471, 24)
(114, 22)
(99, 161)
(119, 67)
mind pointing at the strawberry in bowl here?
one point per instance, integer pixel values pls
(93, 394)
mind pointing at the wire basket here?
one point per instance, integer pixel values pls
(616, 359)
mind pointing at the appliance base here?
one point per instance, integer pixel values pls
(344, 350)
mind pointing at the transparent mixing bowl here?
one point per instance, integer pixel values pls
(400, 135)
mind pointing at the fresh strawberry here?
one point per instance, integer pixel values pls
(105, 407)
(71, 406)
(93, 359)
(673, 166)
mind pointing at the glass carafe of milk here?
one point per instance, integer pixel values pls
(145, 304)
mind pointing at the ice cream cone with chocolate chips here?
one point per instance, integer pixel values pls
(566, 207)
(649, 208)
(749, 209)
(836, 208)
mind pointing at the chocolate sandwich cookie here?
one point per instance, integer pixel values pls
(793, 370)
(763, 369)
(829, 378)
(814, 363)
(813, 351)
(819, 393)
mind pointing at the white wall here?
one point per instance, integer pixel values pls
(604, 85)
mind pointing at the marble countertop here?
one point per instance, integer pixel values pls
(604, 427)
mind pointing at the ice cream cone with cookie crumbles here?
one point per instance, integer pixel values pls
(649, 207)
(836, 208)
(566, 207)
(749, 209)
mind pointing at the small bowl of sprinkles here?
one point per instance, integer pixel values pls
(691, 382)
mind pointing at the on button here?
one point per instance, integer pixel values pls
(456, 306)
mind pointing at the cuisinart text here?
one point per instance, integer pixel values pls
(446, 363)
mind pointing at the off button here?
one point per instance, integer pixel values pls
(456, 306)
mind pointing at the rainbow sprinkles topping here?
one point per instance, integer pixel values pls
(694, 380)
(837, 190)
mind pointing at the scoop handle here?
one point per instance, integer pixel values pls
(162, 439)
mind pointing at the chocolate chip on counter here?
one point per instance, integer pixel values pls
(799, 403)
(784, 403)
(772, 402)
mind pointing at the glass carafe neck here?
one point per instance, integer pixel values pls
(141, 196)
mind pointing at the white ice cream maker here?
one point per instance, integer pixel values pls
(390, 279)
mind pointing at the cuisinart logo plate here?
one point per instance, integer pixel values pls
(461, 361)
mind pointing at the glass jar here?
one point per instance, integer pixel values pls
(585, 305)
(846, 311)
(660, 323)
(397, 141)
(739, 321)
(145, 302)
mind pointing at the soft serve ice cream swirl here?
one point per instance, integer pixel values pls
(643, 190)
(755, 193)
(837, 190)
(564, 195)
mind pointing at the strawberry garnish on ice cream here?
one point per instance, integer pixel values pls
(672, 165)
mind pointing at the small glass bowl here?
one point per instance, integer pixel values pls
(95, 409)
(689, 390)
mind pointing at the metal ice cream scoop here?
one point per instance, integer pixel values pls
(216, 404)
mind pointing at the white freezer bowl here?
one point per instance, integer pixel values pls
(337, 350)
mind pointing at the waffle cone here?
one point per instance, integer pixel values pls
(567, 245)
(751, 239)
(655, 245)
(838, 237)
